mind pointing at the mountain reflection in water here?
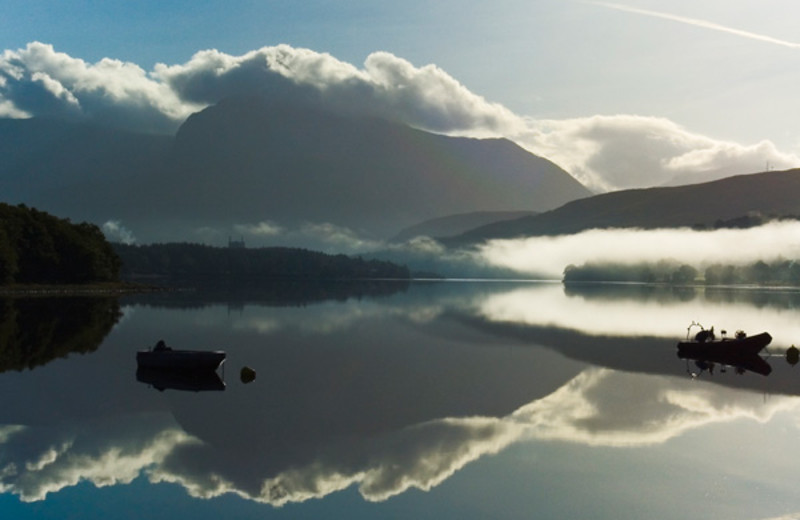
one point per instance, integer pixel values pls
(402, 391)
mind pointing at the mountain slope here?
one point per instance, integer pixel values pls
(773, 193)
(457, 224)
(245, 160)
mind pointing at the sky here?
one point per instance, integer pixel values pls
(621, 95)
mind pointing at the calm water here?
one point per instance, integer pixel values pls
(437, 400)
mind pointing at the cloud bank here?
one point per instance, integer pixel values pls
(605, 152)
(616, 152)
(548, 256)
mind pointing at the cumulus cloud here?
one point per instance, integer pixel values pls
(616, 152)
(116, 232)
(387, 86)
(603, 152)
(38, 81)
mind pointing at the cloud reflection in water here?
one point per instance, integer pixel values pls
(599, 407)
(596, 407)
(668, 317)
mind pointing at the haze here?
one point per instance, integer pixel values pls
(620, 95)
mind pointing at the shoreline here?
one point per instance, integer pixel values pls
(91, 289)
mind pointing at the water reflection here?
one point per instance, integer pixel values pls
(34, 331)
(385, 394)
(185, 380)
(631, 310)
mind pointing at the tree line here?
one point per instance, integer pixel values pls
(778, 272)
(188, 259)
(36, 247)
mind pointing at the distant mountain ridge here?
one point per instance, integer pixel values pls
(774, 193)
(301, 164)
(457, 224)
(247, 160)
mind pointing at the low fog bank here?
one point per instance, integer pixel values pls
(549, 256)
(530, 258)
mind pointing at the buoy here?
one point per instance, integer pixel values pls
(247, 375)
(792, 355)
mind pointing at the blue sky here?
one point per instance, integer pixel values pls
(715, 81)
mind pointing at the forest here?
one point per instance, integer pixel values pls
(779, 272)
(197, 260)
(39, 248)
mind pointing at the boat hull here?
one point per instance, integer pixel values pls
(739, 353)
(748, 346)
(194, 360)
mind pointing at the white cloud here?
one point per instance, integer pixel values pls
(116, 232)
(387, 86)
(40, 81)
(604, 152)
(627, 151)
(261, 229)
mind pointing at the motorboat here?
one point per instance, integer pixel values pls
(741, 351)
(739, 345)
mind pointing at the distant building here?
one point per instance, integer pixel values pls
(236, 244)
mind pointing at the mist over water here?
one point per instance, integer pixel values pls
(548, 256)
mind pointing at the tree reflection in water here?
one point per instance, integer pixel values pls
(35, 331)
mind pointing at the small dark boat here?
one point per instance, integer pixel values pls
(738, 346)
(740, 352)
(163, 357)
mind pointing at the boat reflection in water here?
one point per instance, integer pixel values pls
(190, 370)
(187, 380)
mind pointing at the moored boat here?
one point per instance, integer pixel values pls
(163, 357)
(740, 352)
(736, 346)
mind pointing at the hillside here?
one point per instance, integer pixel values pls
(775, 193)
(247, 160)
(457, 224)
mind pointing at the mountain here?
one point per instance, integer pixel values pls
(247, 160)
(773, 193)
(457, 224)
